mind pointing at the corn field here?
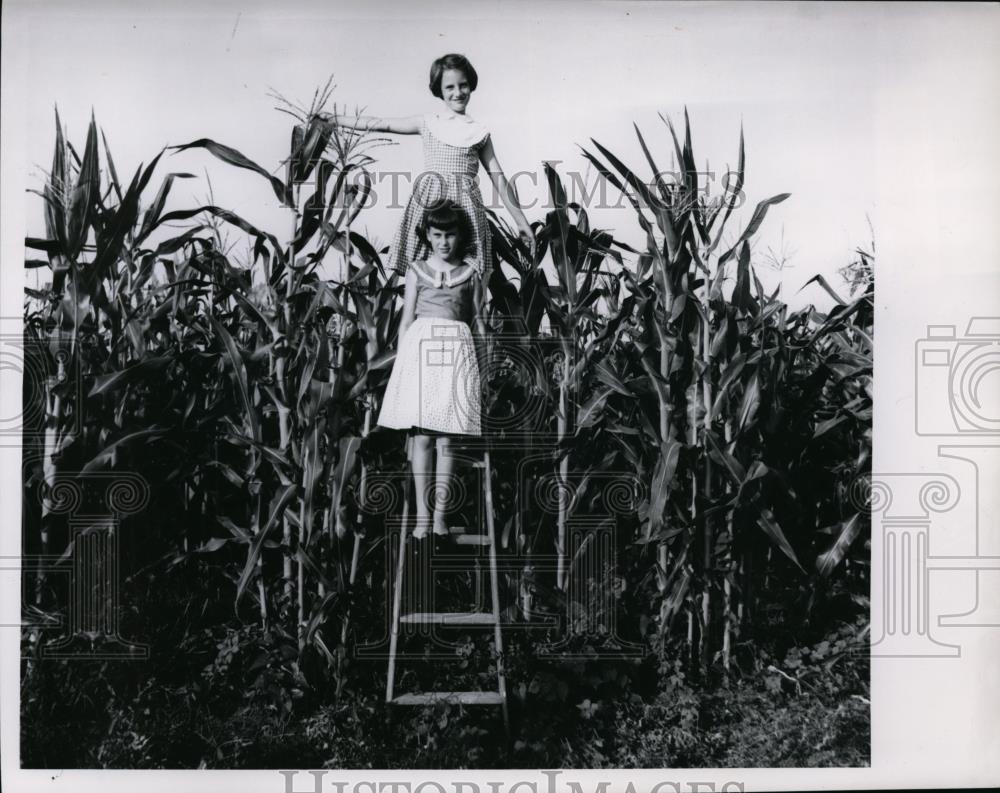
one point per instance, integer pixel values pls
(658, 396)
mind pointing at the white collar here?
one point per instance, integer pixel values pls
(441, 277)
(456, 129)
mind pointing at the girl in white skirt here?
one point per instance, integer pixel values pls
(433, 389)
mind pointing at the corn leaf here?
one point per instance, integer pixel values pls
(258, 541)
(233, 157)
(773, 531)
(88, 184)
(828, 561)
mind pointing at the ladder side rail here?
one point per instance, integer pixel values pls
(397, 590)
(494, 586)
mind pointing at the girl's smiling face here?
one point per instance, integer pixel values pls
(455, 90)
(443, 243)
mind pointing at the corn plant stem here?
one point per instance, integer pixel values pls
(693, 440)
(301, 600)
(187, 512)
(749, 589)
(341, 323)
(122, 362)
(261, 596)
(49, 469)
(740, 608)
(662, 552)
(344, 269)
(344, 265)
(255, 527)
(258, 503)
(356, 552)
(727, 582)
(284, 411)
(666, 298)
(707, 537)
(563, 476)
(527, 447)
(286, 526)
(726, 638)
(52, 431)
(526, 604)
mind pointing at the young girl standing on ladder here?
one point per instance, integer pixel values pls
(434, 387)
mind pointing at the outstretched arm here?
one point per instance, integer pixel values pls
(489, 160)
(407, 125)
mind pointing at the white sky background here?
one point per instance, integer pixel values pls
(807, 82)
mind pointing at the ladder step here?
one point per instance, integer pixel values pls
(460, 697)
(449, 618)
(471, 539)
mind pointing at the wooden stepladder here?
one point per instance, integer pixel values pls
(480, 618)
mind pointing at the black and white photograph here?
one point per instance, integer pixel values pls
(601, 395)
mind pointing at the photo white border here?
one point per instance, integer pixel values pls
(934, 721)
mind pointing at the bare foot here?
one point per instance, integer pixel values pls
(440, 525)
(422, 527)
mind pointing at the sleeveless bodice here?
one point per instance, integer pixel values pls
(436, 298)
(449, 161)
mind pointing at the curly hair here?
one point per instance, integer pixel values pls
(448, 216)
(451, 61)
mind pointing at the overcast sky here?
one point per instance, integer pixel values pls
(812, 86)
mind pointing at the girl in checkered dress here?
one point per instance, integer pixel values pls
(454, 146)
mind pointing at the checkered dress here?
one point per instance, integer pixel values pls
(449, 173)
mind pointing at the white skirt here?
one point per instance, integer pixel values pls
(434, 383)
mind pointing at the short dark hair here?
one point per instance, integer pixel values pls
(448, 216)
(452, 61)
